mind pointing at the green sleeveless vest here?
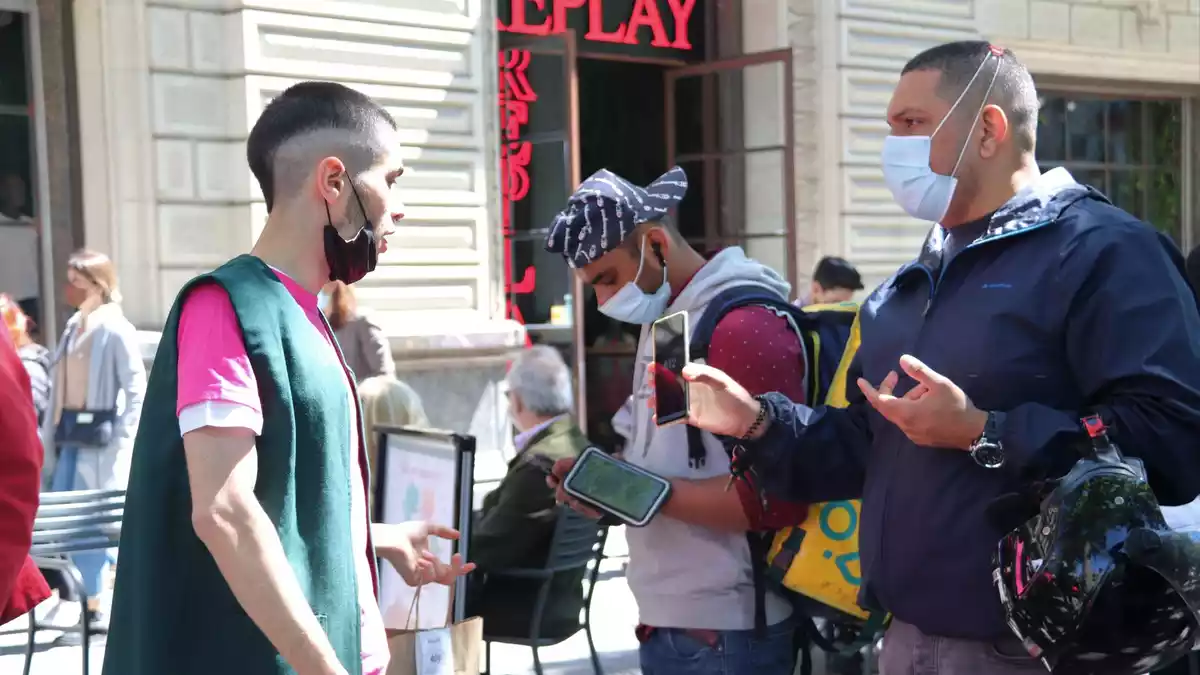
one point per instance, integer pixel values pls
(172, 610)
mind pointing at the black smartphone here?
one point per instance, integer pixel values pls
(617, 487)
(671, 354)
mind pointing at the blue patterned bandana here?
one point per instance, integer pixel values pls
(607, 208)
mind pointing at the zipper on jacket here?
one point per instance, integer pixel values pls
(933, 286)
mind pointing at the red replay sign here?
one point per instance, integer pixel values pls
(645, 14)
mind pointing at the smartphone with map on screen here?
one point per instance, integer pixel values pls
(616, 487)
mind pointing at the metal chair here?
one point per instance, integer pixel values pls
(72, 522)
(577, 544)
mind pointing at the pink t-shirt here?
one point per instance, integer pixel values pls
(217, 387)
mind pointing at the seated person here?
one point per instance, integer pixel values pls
(516, 524)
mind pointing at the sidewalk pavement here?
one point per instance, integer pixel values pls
(614, 615)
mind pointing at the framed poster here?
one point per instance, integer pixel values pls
(424, 474)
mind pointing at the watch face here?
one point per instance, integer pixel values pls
(988, 455)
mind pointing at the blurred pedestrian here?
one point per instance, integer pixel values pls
(386, 401)
(35, 357)
(834, 280)
(364, 346)
(98, 384)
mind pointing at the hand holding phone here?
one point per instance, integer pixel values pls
(626, 491)
(670, 338)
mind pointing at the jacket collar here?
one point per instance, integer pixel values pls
(1037, 205)
(551, 427)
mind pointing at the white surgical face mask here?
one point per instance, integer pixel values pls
(920, 191)
(633, 305)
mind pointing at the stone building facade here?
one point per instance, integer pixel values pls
(143, 106)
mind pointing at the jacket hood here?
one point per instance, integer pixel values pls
(727, 268)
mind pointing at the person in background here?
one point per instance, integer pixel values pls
(21, 585)
(834, 280)
(386, 401)
(364, 346)
(516, 524)
(34, 356)
(98, 369)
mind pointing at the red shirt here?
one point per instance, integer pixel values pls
(761, 352)
(21, 584)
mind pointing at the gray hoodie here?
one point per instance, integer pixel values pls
(687, 576)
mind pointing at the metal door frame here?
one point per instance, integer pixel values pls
(40, 171)
(710, 153)
(569, 52)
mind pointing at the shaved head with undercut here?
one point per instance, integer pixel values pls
(958, 63)
(309, 122)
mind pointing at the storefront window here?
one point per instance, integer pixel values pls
(18, 230)
(1129, 149)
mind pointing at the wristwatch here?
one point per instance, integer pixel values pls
(988, 449)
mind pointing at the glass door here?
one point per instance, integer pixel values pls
(539, 168)
(738, 154)
(21, 228)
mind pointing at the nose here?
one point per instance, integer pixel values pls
(396, 209)
(602, 295)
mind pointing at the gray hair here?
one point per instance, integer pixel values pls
(541, 378)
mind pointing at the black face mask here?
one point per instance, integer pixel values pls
(350, 260)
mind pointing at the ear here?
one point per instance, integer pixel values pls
(994, 126)
(658, 239)
(331, 179)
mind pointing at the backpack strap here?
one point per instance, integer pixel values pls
(702, 332)
(701, 338)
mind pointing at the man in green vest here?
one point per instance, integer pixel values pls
(246, 543)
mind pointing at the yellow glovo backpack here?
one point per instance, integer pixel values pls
(817, 558)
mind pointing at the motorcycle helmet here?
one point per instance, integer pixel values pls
(1096, 582)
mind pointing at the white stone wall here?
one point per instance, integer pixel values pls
(199, 73)
(861, 45)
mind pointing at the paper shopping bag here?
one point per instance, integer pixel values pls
(451, 650)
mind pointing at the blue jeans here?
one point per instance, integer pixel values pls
(672, 651)
(92, 564)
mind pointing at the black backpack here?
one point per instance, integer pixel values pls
(825, 333)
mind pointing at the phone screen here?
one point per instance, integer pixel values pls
(614, 485)
(670, 355)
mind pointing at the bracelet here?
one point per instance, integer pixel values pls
(758, 420)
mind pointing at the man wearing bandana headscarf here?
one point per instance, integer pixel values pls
(690, 567)
(246, 545)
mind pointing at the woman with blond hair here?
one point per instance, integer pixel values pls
(363, 344)
(99, 382)
(386, 401)
(34, 356)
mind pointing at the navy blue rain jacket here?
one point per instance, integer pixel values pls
(1065, 304)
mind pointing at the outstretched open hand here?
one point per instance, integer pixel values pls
(406, 547)
(935, 413)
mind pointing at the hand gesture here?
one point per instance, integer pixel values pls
(406, 547)
(716, 403)
(935, 413)
(555, 480)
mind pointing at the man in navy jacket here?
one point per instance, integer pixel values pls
(1033, 302)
